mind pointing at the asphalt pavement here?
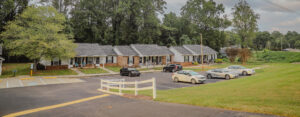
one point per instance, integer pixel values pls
(14, 100)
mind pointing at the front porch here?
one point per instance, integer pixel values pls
(91, 62)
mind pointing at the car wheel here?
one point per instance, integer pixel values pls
(176, 79)
(209, 76)
(244, 73)
(164, 70)
(227, 77)
(130, 74)
(193, 81)
(173, 70)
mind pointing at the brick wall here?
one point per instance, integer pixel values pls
(56, 67)
(184, 63)
(136, 61)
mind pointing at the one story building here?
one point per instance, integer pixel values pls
(140, 55)
(188, 54)
(95, 55)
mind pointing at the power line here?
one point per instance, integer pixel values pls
(281, 7)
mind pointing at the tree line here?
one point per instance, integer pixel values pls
(123, 22)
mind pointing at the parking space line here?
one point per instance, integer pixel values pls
(54, 106)
(43, 81)
(27, 78)
(7, 86)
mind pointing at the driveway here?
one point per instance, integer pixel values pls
(14, 100)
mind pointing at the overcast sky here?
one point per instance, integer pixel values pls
(280, 15)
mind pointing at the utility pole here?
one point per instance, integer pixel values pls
(201, 51)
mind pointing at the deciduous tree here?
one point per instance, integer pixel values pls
(38, 33)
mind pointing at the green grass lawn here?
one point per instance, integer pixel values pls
(273, 90)
(54, 72)
(22, 69)
(93, 71)
(114, 68)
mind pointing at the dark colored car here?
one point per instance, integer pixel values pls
(172, 68)
(129, 72)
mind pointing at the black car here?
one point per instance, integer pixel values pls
(172, 68)
(129, 72)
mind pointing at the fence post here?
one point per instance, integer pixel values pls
(135, 88)
(154, 87)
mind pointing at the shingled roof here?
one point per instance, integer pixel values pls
(182, 50)
(108, 49)
(125, 51)
(89, 49)
(150, 50)
(196, 49)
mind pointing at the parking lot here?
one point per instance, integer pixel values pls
(78, 99)
(163, 80)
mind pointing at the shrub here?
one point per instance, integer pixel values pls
(219, 61)
(195, 63)
(279, 56)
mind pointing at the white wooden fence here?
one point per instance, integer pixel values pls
(106, 85)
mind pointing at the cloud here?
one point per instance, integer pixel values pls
(291, 22)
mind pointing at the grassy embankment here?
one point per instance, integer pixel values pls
(273, 90)
(24, 69)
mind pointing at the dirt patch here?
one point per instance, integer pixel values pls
(141, 97)
(296, 63)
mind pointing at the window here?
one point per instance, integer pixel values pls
(55, 62)
(130, 60)
(71, 61)
(109, 59)
(186, 58)
(168, 58)
(89, 60)
(141, 59)
(180, 72)
(97, 60)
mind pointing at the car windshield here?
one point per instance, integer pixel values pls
(193, 73)
(131, 69)
(241, 67)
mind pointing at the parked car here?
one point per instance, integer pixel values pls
(129, 72)
(221, 73)
(172, 68)
(241, 70)
(188, 76)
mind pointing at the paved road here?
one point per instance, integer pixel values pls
(19, 99)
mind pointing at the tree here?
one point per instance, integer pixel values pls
(38, 33)
(262, 40)
(207, 17)
(232, 53)
(9, 9)
(245, 22)
(117, 21)
(62, 6)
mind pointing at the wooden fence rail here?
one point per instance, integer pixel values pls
(106, 85)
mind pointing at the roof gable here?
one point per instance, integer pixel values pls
(151, 50)
(89, 49)
(125, 51)
(182, 50)
(196, 49)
